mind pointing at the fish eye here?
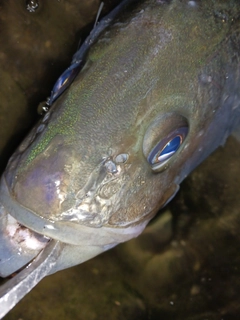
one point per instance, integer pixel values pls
(163, 139)
(167, 147)
(63, 82)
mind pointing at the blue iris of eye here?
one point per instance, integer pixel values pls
(167, 147)
(170, 148)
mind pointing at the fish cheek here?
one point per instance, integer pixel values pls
(147, 189)
(145, 193)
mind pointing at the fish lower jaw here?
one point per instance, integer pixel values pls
(23, 237)
(19, 245)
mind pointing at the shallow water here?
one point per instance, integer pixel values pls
(186, 264)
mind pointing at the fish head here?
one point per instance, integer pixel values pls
(144, 111)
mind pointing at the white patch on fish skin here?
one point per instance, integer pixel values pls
(192, 4)
(57, 183)
(186, 146)
(29, 240)
(12, 226)
(205, 78)
(49, 226)
(23, 237)
(200, 133)
(11, 230)
(85, 207)
(161, 39)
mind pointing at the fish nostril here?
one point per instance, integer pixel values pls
(111, 166)
(122, 158)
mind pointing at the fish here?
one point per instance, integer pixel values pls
(154, 95)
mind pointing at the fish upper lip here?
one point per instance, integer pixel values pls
(66, 231)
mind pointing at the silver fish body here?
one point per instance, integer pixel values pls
(159, 91)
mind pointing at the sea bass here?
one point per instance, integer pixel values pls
(157, 93)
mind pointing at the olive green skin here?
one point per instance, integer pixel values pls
(162, 65)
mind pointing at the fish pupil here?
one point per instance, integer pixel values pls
(170, 148)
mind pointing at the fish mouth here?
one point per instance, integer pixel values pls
(29, 229)
(19, 245)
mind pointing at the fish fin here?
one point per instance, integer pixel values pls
(98, 14)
